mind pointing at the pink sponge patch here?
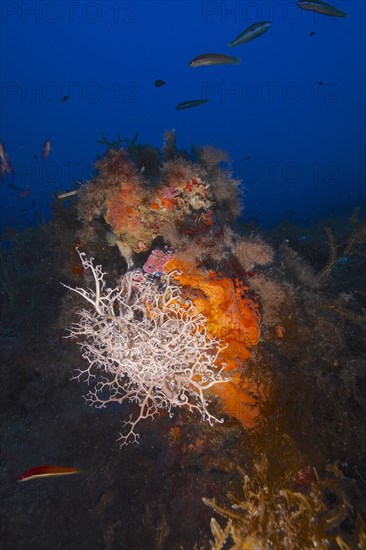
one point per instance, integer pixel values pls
(157, 260)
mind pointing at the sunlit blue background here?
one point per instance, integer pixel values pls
(296, 144)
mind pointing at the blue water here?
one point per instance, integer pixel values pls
(291, 116)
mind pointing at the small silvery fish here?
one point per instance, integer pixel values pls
(46, 149)
(5, 160)
(320, 7)
(214, 59)
(3, 155)
(190, 103)
(255, 30)
(68, 194)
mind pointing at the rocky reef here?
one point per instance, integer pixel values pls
(186, 293)
(179, 220)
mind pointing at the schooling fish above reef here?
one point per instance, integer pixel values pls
(214, 59)
(321, 7)
(190, 103)
(255, 30)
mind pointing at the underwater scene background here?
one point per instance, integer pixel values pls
(182, 274)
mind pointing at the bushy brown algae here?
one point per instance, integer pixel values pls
(280, 510)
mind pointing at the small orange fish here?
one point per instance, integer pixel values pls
(47, 471)
(46, 149)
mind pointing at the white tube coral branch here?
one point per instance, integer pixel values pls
(149, 344)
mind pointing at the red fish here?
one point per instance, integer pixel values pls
(47, 471)
(46, 149)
